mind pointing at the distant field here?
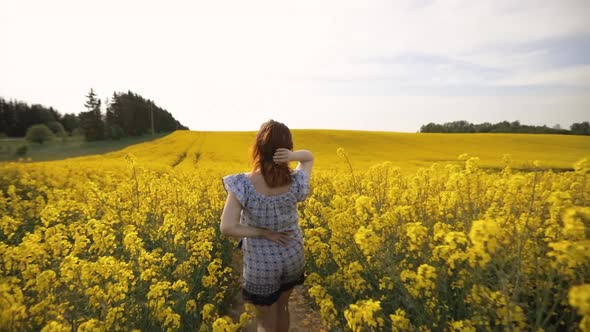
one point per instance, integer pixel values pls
(68, 147)
(190, 149)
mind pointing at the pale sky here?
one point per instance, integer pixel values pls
(366, 65)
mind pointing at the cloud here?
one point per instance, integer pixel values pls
(432, 69)
(260, 55)
(563, 51)
(570, 77)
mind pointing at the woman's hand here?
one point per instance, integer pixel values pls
(281, 238)
(282, 156)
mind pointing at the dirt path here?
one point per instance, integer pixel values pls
(302, 317)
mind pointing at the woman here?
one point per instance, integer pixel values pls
(261, 208)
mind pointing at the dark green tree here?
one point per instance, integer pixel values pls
(16, 116)
(91, 121)
(56, 128)
(39, 133)
(582, 128)
(500, 127)
(70, 122)
(129, 111)
(132, 113)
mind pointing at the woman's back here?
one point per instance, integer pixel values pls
(270, 267)
(277, 212)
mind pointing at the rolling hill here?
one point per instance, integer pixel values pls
(212, 149)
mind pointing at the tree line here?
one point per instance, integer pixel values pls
(581, 128)
(125, 114)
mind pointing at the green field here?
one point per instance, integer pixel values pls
(71, 146)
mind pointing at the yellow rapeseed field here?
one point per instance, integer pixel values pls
(409, 151)
(403, 232)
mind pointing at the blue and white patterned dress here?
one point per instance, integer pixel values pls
(270, 268)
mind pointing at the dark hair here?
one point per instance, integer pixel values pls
(271, 136)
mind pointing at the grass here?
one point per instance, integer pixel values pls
(68, 147)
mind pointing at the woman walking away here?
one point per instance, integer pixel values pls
(261, 208)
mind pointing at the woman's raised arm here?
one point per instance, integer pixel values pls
(304, 157)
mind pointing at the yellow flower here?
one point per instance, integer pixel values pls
(191, 305)
(54, 326)
(45, 281)
(91, 325)
(208, 309)
(486, 237)
(362, 313)
(416, 234)
(367, 241)
(582, 166)
(354, 283)
(248, 315)
(461, 326)
(420, 283)
(225, 324)
(579, 298)
(399, 321)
